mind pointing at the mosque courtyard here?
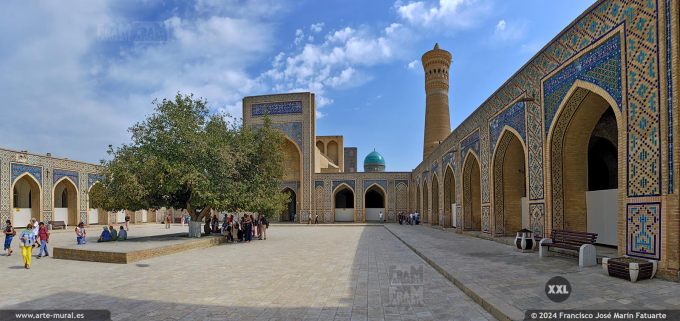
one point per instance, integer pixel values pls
(297, 274)
(325, 272)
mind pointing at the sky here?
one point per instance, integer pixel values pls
(75, 75)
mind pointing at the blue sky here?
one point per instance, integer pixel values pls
(77, 74)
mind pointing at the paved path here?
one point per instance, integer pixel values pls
(299, 273)
(514, 282)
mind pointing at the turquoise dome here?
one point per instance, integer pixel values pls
(374, 158)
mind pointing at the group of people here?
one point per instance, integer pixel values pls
(35, 235)
(410, 219)
(109, 234)
(242, 229)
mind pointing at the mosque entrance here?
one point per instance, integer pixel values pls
(510, 207)
(374, 204)
(288, 215)
(65, 200)
(472, 196)
(344, 205)
(449, 197)
(585, 163)
(25, 201)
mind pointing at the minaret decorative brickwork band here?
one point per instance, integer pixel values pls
(436, 63)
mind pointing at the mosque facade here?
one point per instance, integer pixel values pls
(581, 138)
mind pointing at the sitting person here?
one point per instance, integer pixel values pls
(122, 235)
(114, 234)
(105, 236)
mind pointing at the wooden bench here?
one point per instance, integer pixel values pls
(581, 242)
(56, 224)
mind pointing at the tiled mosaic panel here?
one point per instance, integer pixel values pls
(484, 165)
(512, 117)
(643, 230)
(19, 169)
(600, 66)
(669, 99)
(486, 219)
(435, 168)
(470, 142)
(467, 195)
(644, 153)
(92, 179)
(292, 129)
(278, 108)
(537, 218)
(402, 196)
(60, 173)
(381, 182)
(337, 183)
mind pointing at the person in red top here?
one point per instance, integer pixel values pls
(44, 236)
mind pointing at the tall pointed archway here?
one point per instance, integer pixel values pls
(449, 196)
(374, 203)
(510, 209)
(26, 200)
(288, 214)
(585, 163)
(435, 200)
(426, 201)
(343, 204)
(65, 202)
(472, 197)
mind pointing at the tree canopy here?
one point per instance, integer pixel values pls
(184, 157)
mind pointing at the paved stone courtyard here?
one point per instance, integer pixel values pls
(300, 272)
(513, 282)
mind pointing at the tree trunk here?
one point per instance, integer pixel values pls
(195, 228)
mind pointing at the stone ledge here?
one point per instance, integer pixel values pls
(133, 256)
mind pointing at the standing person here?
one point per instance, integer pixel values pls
(80, 233)
(248, 231)
(35, 229)
(381, 217)
(256, 228)
(44, 236)
(168, 219)
(127, 221)
(215, 223)
(264, 224)
(316, 218)
(27, 241)
(9, 235)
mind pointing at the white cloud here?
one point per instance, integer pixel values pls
(299, 37)
(317, 27)
(508, 32)
(413, 64)
(338, 62)
(71, 90)
(448, 15)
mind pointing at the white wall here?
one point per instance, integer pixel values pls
(602, 215)
(526, 221)
(93, 216)
(344, 215)
(61, 214)
(454, 222)
(22, 216)
(120, 217)
(145, 216)
(372, 214)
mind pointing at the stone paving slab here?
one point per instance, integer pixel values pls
(298, 273)
(507, 282)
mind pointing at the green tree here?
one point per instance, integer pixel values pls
(183, 157)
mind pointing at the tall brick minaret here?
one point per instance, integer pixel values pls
(436, 64)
